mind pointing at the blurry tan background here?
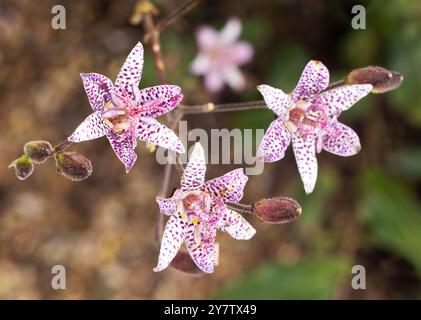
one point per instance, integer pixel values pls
(365, 210)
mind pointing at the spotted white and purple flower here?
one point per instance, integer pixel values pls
(123, 113)
(220, 55)
(307, 118)
(197, 210)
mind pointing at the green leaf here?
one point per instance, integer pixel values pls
(406, 162)
(310, 279)
(391, 211)
(313, 205)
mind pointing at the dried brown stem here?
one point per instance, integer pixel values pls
(153, 36)
(176, 14)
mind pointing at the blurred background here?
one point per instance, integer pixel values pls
(365, 210)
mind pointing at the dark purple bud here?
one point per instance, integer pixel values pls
(73, 165)
(184, 263)
(381, 79)
(38, 151)
(23, 167)
(279, 210)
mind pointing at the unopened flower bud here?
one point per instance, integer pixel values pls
(184, 263)
(38, 151)
(279, 210)
(381, 79)
(23, 167)
(73, 165)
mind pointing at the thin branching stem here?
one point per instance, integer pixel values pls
(176, 14)
(224, 107)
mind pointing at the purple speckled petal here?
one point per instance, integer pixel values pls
(276, 99)
(167, 97)
(305, 155)
(229, 187)
(275, 141)
(342, 98)
(91, 128)
(152, 131)
(97, 88)
(204, 253)
(172, 240)
(235, 225)
(314, 79)
(343, 141)
(167, 206)
(194, 173)
(131, 71)
(123, 146)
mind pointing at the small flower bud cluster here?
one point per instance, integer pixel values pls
(71, 165)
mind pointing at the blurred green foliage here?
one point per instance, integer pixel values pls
(311, 279)
(393, 214)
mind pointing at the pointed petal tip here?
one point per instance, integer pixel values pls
(129, 166)
(308, 189)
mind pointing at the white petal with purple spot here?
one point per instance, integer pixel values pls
(131, 71)
(123, 146)
(275, 99)
(305, 155)
(275, 141)
(342, 98)
(172, 239)
(97, 88)
(343, 141)
(194, 173)
(229, 187)
(92, 127)
(150, 130)
(235, 225)
(314, 79)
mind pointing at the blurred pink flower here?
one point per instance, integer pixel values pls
(123, 113)
(197, 209)
(308, 118)
(220, 55)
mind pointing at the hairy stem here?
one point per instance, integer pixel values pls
(63, 145)
(240, 207)
(335, 85)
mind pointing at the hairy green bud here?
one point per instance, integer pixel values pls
(23, 167)
(38, 151)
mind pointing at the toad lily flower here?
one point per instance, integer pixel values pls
(308, 118)
(197, 210)
(123, 113)
(219, 56)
